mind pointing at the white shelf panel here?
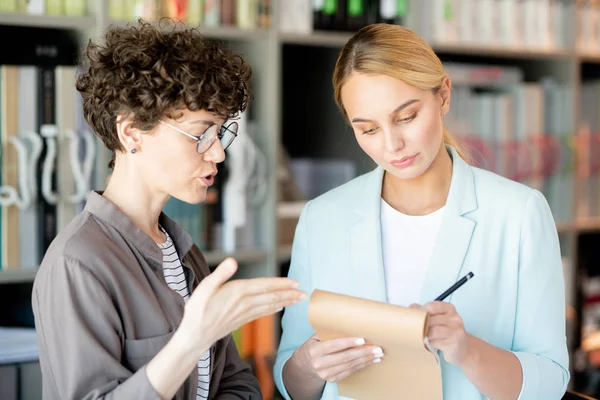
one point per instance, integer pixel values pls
(47, 21)
(221, 32)
(17, 275)
(339, 39)
(503, 52)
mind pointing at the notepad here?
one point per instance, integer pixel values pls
(410, 369)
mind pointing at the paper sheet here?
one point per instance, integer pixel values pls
(409, 370)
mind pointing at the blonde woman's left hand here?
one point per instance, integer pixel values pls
(447, 332)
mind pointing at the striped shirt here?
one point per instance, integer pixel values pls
(175, 278)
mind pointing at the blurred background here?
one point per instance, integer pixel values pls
(526, 95)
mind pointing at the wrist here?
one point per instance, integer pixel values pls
(472, 354)
(303, 365)
(188, 349)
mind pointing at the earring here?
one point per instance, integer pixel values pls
(133, 151)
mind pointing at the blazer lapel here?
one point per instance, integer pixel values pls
(365, 241)
(455, 232)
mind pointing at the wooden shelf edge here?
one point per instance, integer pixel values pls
(47, 21)
(587, 225)
(592, 58)
(316, 38)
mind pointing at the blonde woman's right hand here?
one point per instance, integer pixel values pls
(219, 306)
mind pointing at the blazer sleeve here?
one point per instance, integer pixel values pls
(237, 382)
(540, 330)
(295, 326)
(79, 337)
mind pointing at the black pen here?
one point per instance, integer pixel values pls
(452, 288)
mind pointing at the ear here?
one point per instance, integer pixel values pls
(130, 137)
(445, 92)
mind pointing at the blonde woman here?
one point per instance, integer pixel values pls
(408, 230)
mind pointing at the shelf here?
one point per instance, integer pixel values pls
(47, 21)
(316, 38)
(221, 32)
(503, 52)
(17, 275)
(242, 256)
(588, 225)
(592, 58)
(339, 39)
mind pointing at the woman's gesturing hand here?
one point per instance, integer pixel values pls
(219, 306)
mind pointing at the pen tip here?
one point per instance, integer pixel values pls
(470, 275)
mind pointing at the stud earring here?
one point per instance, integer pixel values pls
(133, 151)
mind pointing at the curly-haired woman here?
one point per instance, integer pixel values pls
(125, 306)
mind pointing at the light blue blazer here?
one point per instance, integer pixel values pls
(501, 230)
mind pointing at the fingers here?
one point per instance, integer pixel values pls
(270, 303)
(450, 320)
(335, 346)
(262, 285)
(346, 357)
(277, 300)
(437, 333)
(342, 375)
(338, 366)
(439, 307)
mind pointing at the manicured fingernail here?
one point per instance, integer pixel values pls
(377, 352)
(295, 284)
(360, 342)
(377, 360)
(302, 296)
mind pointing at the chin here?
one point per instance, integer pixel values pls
(405, 175)
(196, 196)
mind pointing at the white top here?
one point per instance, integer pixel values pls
(407, 243)
(175, 277)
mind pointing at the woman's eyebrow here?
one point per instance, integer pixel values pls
(397, 110)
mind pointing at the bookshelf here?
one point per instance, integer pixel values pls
(268, 50)
(48, 21)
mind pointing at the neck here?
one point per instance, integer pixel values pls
(424, 194)
(136, 200)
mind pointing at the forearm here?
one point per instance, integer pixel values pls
(495, 372)
(299, 384)
(169, 369)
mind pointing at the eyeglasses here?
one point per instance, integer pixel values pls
(226, 135)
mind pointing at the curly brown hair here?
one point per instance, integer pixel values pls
(149, 72)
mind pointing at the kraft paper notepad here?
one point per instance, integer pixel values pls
(409, 368)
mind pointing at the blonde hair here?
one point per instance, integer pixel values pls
(395, 51)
